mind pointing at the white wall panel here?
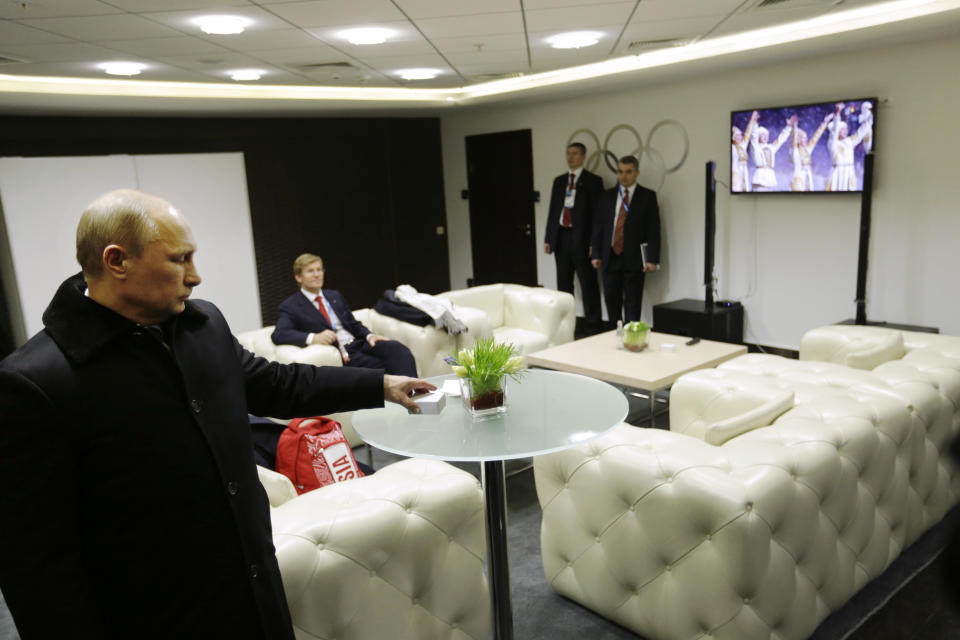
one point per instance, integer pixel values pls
(43, 198)
(42, 201)
(210, 190)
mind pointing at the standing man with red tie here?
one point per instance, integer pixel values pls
(626, 241)
(322, 316)
(573, 201)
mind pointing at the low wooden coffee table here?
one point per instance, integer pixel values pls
(650, 370)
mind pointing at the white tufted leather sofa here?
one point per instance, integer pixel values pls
(532, 318)
(398, 554)
(822, 475)
(259, 342)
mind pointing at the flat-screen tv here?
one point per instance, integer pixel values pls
(806, 148)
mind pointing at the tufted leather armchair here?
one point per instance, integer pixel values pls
(532, 318)
(259, 342)
(822, 474)
(398, 554)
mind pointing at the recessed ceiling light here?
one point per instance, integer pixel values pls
(122, 68)
(574, 39)
(246, 74)
(222, 25)
(418, 74)
(366, 35)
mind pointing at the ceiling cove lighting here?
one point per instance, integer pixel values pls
(418, 74)
(828, 24)
(838, 22)
(574, 39)
(215, 90)
(366, 35)
(246, 74)
(122, 68)
(222, 25)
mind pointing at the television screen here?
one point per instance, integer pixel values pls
(803, 148)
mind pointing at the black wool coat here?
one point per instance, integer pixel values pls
(131, 506)
(582, 216)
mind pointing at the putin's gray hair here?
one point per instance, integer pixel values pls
(121, 217)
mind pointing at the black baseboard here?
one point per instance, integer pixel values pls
(893, 325)
(774, 351)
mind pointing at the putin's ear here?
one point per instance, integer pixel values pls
(115, 261)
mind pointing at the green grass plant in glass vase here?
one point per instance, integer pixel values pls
(483, 372)
(635, 335)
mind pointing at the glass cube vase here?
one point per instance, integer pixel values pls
(489, 403)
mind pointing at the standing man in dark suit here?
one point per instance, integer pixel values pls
(573, 201)
(314, 315)
(626, 241)
(131, 504)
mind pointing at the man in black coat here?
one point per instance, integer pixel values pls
(626, 241)
(131, 505)
(573, 202)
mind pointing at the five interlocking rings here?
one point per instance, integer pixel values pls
(651, 161)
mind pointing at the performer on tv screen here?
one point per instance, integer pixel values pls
(738, 155)
(843, 174)
(866, 119)
(801, 152)
(764, 157)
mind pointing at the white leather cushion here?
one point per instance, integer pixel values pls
(488, 297)
(478, 324)
(855, 346)
(538, 309)
(258, 342)
(362, 316)
(761, 416)
(525, 341)
(320, 355)
(429, 345)
(715, 405)
(278, 486)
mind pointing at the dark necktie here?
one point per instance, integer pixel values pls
(566, 210)
(621, 221)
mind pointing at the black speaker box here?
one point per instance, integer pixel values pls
(721, 321)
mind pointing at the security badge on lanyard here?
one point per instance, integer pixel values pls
(624, 197)
(571, 196)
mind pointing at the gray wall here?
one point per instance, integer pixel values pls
(791, 260)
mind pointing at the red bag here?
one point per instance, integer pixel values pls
(313, 453)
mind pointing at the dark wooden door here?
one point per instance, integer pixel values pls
(500, 183)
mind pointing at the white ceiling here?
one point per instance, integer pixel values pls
(299, 42)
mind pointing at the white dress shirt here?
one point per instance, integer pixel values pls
(344, 337)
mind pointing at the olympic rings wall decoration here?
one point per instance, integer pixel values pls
(652, 167)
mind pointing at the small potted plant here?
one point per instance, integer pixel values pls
(483, 372)
(635, 335)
